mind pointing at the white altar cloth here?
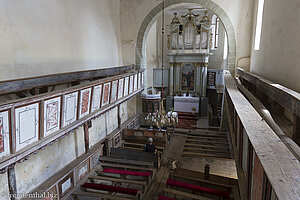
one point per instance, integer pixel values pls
(186, 104)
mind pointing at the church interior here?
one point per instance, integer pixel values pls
(149, 100)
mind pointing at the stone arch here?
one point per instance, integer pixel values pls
(140, 49)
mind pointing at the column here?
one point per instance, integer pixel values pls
(198, 79)
(177, 78)
(171, 80)
(204, 78)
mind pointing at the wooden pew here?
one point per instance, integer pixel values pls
(105, 159)
(135, 155)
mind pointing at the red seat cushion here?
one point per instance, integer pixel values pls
(110, 188)
(172, 182)
(161, 197)
(126, 172)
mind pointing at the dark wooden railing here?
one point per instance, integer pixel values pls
(285, 97)
(266, 167)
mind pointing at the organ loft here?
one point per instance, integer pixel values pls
(149, 100)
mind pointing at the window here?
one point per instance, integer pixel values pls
(259, 18)
(215, 31)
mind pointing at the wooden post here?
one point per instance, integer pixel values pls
(86, 137)
(206, 171)
(296, 129)
(119, 117)
(12, 184)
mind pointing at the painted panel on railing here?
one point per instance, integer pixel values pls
(51, 115)
(85, 96)
(121, 88)
(27, 125)
(70, 108)
(257, 181)
(52, 194)
(131, 84)
(114, 91)
(4, 134)
(82, 170)
(106, 94)
(135, 82)
(97, 91)
(143, 79)
(66, 184)
(126, 86)
(139, 81)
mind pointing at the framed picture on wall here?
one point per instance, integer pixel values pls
(187, 77)
(4, 134)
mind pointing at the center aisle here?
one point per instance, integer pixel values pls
(172, 153)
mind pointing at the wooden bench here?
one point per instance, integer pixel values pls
(206, 190)
(105, 159)
(119, 180)
(125, 167)
(99, 196)
(111, 189)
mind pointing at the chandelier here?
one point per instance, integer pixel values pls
(161, 118)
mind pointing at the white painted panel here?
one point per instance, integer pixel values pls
(27, 125)
(66, 185)
(139, 81)
(131, 84)
(121, 88)
(4, 134)
(135, 82)
(85, 100)
(106, 94)
(114, 90)
(97, 91)
(51, 115)
(143, 79)
(70, 108)
(126, 86)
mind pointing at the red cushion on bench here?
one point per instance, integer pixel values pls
(110, 188)
(161, 197)
(126, 172)
(172, 182)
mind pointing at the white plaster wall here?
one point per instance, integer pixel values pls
(46, 163)
(98, 130)
(112, 120)
(53, 36)
(133, 12)
(279, 56)
(4, 187)
(151, 54)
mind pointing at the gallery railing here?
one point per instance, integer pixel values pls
(266, 167)
(28, 125)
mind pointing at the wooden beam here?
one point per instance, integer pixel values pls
(12, 184)
(86, 137)
(29, 83)
(296, 129)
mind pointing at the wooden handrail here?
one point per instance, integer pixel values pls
(280, 166)
(54, 79)
(282, 95)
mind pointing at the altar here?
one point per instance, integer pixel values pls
(186, 104)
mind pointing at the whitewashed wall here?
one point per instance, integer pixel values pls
(54, 36)
(279, 56)
(133, 12)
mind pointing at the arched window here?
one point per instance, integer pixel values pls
(215, 31)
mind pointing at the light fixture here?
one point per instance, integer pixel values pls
(162, 119)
